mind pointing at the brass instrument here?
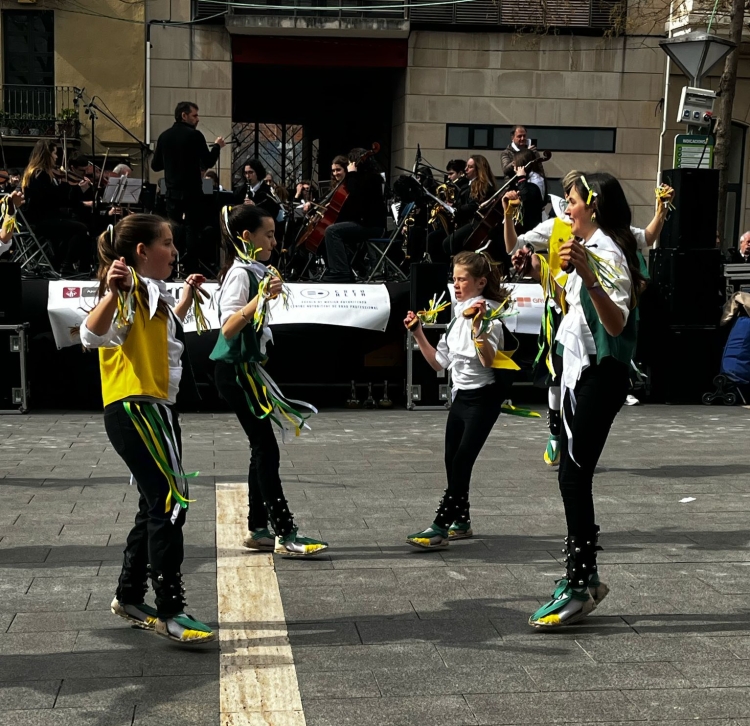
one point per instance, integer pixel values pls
(440, 214)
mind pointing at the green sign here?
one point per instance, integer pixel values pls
(692, 149)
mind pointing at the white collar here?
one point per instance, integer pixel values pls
(257, 268)
(157, 290)
(257, 186)
(513, 144)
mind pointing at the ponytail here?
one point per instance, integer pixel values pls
(234, 222)
(122, 241)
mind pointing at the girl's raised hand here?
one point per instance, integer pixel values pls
(274, 287)
(118, 276)
(193, 285)
(507, 198)
(409, 323)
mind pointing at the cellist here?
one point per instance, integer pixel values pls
(362, 217)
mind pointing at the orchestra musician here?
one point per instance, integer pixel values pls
(480, 187)
(46, 193)
(255, 189)
(362, 217)
(339, 166)
(456, 172)
(531, 187)
(181, 152)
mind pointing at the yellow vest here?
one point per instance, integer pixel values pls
(140, 366)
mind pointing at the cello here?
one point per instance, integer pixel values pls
(327, 213)
(491, 213)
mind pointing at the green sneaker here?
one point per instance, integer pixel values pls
(552, 452)
(259, 539)
(184, 629)
(141, 616)
(460, 531)
(293, 545)
(432, 538)
(567, 606)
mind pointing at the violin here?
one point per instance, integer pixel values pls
(325, 215)
(491, 213)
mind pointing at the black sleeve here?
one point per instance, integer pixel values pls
(208, 157)
(531, 198)
(157, 163)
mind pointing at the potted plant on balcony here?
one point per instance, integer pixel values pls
(34, 125)
(4, 123)
(66, 121)
(15, 122)
(48, 124)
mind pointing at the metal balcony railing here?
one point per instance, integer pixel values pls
(38, 111)
(597, 14)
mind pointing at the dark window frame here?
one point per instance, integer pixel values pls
(494, 129)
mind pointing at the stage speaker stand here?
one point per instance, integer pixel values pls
(692, 225)
(679, 340)
(11, 298)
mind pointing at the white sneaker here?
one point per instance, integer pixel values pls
(631, 400)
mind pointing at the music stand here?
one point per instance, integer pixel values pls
(122, 191)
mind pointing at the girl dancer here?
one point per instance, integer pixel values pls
(140, 343)
(468, 348)
(246, 286)
(596, 338)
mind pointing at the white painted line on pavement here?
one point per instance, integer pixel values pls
(258, 679)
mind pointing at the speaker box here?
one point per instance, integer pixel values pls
(692, 224)
(687, 357)
(11, 304)
(688, 286)
(428, 280)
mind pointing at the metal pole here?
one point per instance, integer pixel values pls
(667, 71)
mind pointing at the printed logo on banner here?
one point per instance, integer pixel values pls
(315, 292)
(90, 291)
(71, 292)
(523, 302)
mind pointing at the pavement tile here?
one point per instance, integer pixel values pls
(36, 641)
(192, 714)
(68, 717)
(641, 648)
(608, 676)
(387, 711)
(694, 703)
(338, 685)
(36, 694)
(543, 708)
(351, 657)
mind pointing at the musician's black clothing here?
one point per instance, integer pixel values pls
(533, 203)
(181, 153)
(69, 239)
(262, 197)
(362, 217)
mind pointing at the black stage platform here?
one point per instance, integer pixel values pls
(314, 362)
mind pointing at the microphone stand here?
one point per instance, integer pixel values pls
(114, 120)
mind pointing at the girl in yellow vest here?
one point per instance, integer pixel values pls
(247, 285)
(468, 349)
(137, 328)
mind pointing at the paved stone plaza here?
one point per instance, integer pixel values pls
(381, 634)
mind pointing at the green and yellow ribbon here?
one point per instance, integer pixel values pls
(126, 303)
(159, 439)
(261, 309)
(435, 307)
(9, 218)
(201, 322)
(662, 196)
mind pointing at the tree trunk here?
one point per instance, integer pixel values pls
(727, 87)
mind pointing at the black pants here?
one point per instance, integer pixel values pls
(155, 543)
(70, 241)
(188, 213)
(473, 414)
(339, 238)
(265, 493)
(599, 395)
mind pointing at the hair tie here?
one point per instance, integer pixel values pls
(225, 213)
(592, 194)
(111, 233)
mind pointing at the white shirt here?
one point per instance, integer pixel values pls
(574, 333)
(115, 337)
(234, 294)
(539, 237)
(538, 179)
(457, 352)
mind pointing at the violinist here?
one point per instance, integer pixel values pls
(45, 189)
(10, 181)
(362, 217)
(480, 187)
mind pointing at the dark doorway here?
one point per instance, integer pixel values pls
(338, 108)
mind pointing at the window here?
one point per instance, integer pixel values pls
(550, 138)
(28, 60)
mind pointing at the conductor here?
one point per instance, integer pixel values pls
(181, 153)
